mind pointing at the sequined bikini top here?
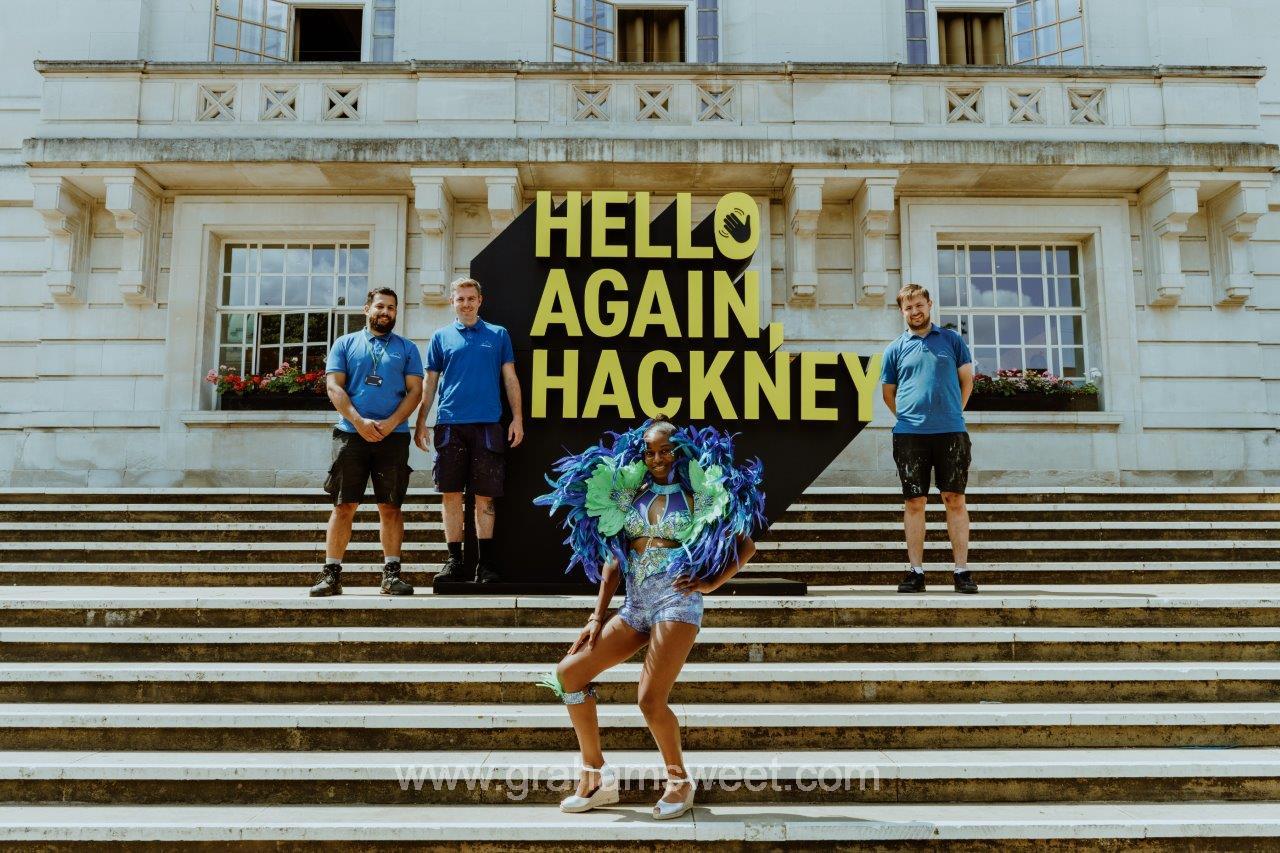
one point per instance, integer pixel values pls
(673, 521)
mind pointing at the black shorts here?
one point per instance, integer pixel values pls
(946, 453)
(470, 457)
(355, 460)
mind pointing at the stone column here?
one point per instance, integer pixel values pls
(1233, 220)
(873, 208)
(433, 203)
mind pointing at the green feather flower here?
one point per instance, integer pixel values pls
(606, 489)
(710, 499)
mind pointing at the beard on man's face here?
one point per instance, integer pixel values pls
(383, 324)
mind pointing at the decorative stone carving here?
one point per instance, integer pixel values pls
(1086, 105)
(134, 201)
(590, 103)
(873, 208)
(804, 207)
(716, 103)
(67, 216)
(653, 103)
(1024, 106)
(342, 103)
(434, 205)
(279, 103)
(505, 199)
(1168, 203)
(216, 102)
(1233, 219)
(963, 104)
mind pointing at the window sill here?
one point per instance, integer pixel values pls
(196, 420)
(1098, 420)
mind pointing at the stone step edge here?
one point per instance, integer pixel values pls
(851, 567)
(896, 545)
(635, 766)
(500, 717)
(813, 823)
(628, 673)
(748, 635)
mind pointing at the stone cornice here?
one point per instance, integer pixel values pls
(648, 70)
(53, 151)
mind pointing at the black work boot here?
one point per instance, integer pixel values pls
(391, 582)
(964, 583)
(912, 581)
(486, 573)
(452, 571)
(329, 582)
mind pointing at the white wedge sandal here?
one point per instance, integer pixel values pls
(664, 810)
(604, 794)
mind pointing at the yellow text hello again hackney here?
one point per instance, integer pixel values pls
(603, 310)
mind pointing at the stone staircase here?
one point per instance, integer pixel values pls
(166, 683)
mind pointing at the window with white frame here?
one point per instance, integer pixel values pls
(280, 301)
(986, 32)
(270, 31)
(621, 31)
(1018, 306)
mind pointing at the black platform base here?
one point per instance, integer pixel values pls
(737, 586)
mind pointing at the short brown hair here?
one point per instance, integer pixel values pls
(380, 291)
(911, 290)
(465, 282)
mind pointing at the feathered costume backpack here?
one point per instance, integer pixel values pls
(598, 485)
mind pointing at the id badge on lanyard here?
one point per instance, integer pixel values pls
(375, 353)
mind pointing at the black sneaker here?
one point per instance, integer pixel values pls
(452, 571)
(912, 581)
(391, 582)
(329, 582)
(486, 573)
(964, 583)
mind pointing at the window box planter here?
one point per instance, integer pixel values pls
(1031, 402)
(274, 401)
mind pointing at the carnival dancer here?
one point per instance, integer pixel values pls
(667, 510)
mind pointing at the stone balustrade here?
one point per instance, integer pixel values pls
(849, 101)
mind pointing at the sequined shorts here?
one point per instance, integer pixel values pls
(653, 600)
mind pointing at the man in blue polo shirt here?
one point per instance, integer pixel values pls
(470, 362)
(374, 379)
(928, 375)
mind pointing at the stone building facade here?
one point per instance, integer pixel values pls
(1106, 205)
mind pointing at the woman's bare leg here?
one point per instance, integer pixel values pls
(669, 647)
(618, 641)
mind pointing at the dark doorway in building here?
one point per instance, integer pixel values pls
(651, 35)
(327, 35)
(971, 38)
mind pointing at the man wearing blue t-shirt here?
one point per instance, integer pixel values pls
(374, 379)
(928, 375)
(469, 362)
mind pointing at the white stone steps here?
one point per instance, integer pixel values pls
(294, 527)
(635, 767)
(1082, 596)
(794, 823)
(694, 673)
(1157, 492)
(851, 567)
(823, 635)
(1138, 545)
(422, 506)
(552, 715)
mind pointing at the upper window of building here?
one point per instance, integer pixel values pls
(624, 31)
(995, 32)
(281, 31)
(1019, 306)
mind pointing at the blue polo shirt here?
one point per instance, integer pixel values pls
(469, 361)
(928, 392)
(353, 354)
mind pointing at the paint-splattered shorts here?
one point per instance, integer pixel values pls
(654, 600)
(470, 456)
(945, 454)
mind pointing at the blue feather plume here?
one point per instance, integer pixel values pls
(715, 548)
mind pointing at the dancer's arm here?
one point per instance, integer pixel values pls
(609, 578)
(687, 585)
